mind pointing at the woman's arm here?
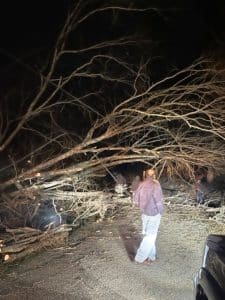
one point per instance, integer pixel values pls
(158, 197)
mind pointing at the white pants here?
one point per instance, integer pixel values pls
(147, 249)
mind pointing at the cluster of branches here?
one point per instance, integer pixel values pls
(175, 123)
(20, 242)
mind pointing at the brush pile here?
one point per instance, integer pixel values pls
(21, 242)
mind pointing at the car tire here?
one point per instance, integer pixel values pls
(201, 295)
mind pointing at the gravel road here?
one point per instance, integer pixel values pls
(98, 262)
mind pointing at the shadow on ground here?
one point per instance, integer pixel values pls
(131, 239)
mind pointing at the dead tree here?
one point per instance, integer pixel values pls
(160, 124)
(176, 123)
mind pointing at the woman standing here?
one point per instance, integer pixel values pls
(149, 198)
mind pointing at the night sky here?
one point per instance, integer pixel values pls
(183, 31)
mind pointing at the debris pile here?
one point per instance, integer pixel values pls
(20, 242)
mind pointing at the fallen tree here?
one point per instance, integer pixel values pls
(179, 126)
(176, 124)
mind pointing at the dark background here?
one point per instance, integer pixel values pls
(182, 30)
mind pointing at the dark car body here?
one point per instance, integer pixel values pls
(209, 283)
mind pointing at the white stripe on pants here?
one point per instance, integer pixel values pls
(147, 249)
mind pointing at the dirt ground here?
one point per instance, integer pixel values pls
(98, 261)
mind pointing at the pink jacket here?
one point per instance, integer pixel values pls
(149, 197)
